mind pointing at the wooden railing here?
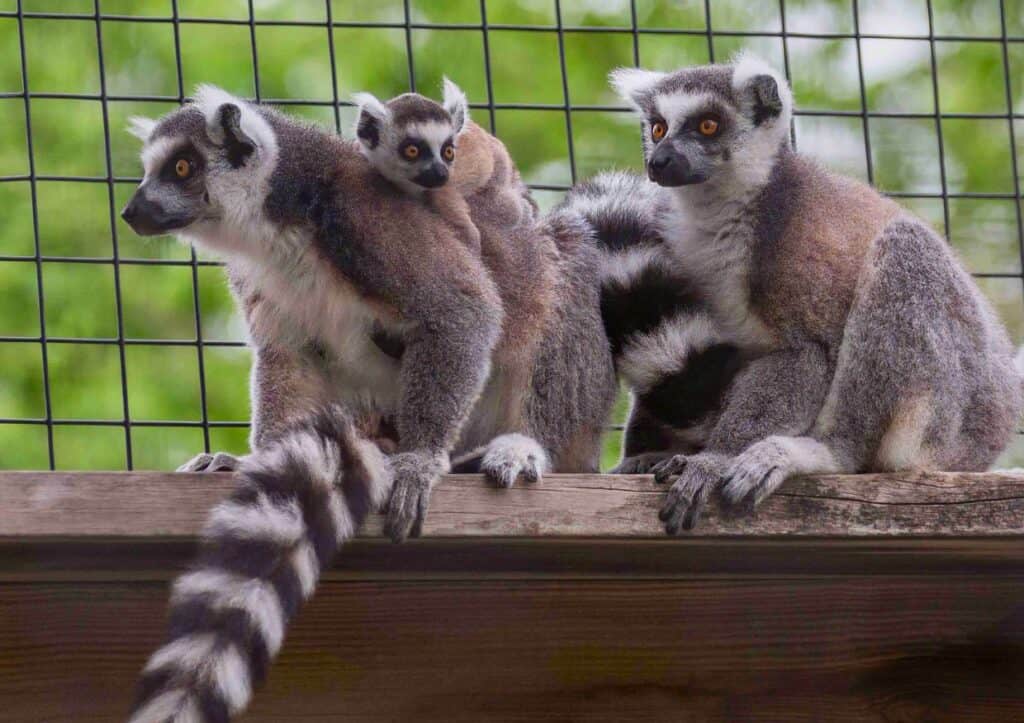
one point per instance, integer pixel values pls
(895, 597)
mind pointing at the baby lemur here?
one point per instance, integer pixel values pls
(364, 303)
(866, 345)
(419, 144)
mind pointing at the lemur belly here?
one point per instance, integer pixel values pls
(314, 307)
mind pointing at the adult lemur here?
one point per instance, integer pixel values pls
(358, 295)
(866, 344)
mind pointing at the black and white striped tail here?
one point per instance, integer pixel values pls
(262, 553)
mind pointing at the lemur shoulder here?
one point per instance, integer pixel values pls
(866, 344)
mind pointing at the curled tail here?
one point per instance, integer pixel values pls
(263, 550)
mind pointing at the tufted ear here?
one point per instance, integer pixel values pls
(763, 88)
(140, 127)
(633, 84)
(372, 116)
(236, 142)
(456, 104)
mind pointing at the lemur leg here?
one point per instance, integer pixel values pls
(779, 393)
(919, 357)
(284, 388)
(513, 456)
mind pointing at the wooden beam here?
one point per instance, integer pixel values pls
(40, 505)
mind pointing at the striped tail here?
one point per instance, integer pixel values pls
(262, 553)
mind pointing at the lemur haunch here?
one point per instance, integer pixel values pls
(867, 345)
(365, 300)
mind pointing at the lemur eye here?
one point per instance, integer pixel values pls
(658, 130)
(182, 168)
(449, 153)
(708, 126)
(411, 152)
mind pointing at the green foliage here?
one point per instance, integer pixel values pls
(157, 302)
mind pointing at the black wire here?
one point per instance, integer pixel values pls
(408, 25)
(38, 257)
(111, 201)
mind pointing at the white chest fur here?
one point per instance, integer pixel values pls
(306, 301)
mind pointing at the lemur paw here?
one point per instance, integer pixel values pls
(514, 456)
(668, 468)
(755, 473)
(699, 476)
(206, 462)
(414, 474)
(640, 463)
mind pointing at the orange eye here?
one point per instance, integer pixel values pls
(411, 152)
(449, 153)
(182, 168)
(708, 127)
(658, 130)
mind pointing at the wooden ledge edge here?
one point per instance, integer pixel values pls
(137, 505)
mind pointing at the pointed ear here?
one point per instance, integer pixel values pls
(455, 102)
(140, 127)
(372, 115)
(766, 91)
(238, 145)
(633, 84)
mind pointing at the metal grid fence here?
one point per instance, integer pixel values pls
(326, 17)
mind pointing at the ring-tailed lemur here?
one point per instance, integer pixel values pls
(355, 293)
(673, 359)
(874, 349)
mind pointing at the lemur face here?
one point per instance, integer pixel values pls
(411, 139)
(700, 122)
(198, 161)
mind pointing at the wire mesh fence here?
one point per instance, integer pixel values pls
(120, 352)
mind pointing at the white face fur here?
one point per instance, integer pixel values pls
(717, 127)
(411, 140)
(207, 168)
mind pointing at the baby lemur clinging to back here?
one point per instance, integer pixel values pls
(865, 344)
(431, 150)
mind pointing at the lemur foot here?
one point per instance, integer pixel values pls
(414, 474)
(206, 462)
(514, 456)
(698, 475)
(755, 473)
(640, 463)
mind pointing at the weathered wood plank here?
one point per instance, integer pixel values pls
(818, 649)
(140, 505)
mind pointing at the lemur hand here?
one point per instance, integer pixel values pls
(695, 476)
(414, 473)
(206, 462)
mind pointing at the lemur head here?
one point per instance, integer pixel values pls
(205, 168)
(712, 122)
(411, 139)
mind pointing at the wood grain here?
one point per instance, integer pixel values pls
(140, 505)
(872, 598)
(818, 649)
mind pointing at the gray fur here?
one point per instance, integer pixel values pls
(327, 259)
(870, 347)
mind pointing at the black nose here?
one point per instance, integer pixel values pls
(661, 161)
(434, 176)
(130, 211)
